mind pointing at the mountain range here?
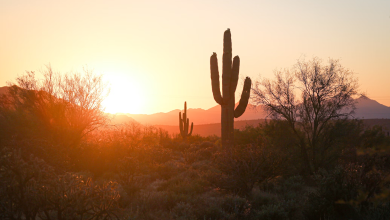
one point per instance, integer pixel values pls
(207, 122)
(196, 115)
(365, 109)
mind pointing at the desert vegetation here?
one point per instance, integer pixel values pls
(61, 159)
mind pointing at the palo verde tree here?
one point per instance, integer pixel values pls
(65, 106)
(310, 97)
(230, 71)
(185, 123)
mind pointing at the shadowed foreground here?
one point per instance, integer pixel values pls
(60, 159)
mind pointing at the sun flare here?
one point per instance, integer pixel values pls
(126, 96)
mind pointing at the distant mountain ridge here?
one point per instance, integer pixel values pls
(365, 109)
(3, 90)
(370, 109)
(196, 115)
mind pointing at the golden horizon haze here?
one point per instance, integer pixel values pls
(155, 54)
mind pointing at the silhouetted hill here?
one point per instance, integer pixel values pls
(3, 90)
(120, 119)
(198, 116)
(370, 109)
(365, 109)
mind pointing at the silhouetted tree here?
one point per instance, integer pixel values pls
(67, 106)
(309, 97)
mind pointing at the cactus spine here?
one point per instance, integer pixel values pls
(184, 123)
(230, 72)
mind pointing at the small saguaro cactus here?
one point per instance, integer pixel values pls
(184, 123)
(230, 71)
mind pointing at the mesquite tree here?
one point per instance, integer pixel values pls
(230, 71)
(184, 123)
(310, 97)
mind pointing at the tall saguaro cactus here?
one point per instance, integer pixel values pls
(184, 123)
(230, 71)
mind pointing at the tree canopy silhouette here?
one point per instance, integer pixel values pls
(309, 96)
(67, 106)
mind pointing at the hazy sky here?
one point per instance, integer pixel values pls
(156, 53)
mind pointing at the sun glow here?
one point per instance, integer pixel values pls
(126, 96)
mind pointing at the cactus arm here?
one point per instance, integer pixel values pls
(215, 79)
(235, 72)
(181, 124)
(226, 66)
(244, 98)
(226, 98)
(185, 119)
(184, 123)
(192, 127)
(187, 125)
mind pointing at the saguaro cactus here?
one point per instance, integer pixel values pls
(230, 71)
(184, 123)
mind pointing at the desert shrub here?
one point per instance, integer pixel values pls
(237, 207)
(271, 212)
(339, 138)
(339, 141)
(288, 194)
(351, 191)
(281, 138)
(216, 205)
(183, 211)
(164, 138)
(374, 137)
(100, 157)
(294, 183)
(167, 170)
(46, 109)
(260, 198)
(204, 167)
(334, 188)
(30, 189)
(146, 158)
(291, 188)
(378, 212)
(203, 151)
(197, 139)
(158, 201)
(186, 183)
(73, 196)
(22, 184)
(241, 167)
(131, 175)
(248, 135)
(209, 206)
(179, 145)
(155, 154)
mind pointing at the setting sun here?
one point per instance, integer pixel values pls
(175, 109)
(126, 96)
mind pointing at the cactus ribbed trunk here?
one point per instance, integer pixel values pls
(227, 122)
(184, 123)
(230, 71)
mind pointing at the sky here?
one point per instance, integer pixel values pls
(155, 54)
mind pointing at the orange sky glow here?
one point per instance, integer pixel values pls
(155, 54)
